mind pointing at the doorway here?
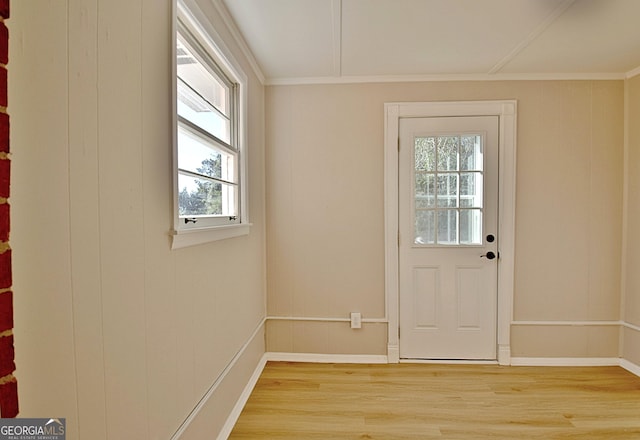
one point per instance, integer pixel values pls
(448, 211)
(457, 212)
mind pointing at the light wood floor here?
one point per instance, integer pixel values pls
(420, 401)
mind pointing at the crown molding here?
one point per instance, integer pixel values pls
(346, 79)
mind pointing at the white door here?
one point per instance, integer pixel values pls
(448, 238)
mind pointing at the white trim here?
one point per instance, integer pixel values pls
(578, 324)
(391, 228)
(393, 353)
(504, 354)
(242, 400)
(506, 111)
(632, 73)
(192, 237)
(321, 358)
(631, 326)
(203, 31)
(448, 362)
(564, 362)
(325, 319)
(345, 79)
(630, 367)
(214, 386)
(568, 323)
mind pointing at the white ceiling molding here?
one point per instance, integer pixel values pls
(632, 73)
(446, 77)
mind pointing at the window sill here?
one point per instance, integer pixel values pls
(194, 237)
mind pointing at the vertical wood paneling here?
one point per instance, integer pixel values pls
(122, 217)
(163, 363)
(141, 332)
(562, 178)
(38, 96)
(631, 310)
(85, 218)
(606, 191)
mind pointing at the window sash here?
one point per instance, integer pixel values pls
(227, 185)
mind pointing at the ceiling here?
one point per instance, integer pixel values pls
(314, 41)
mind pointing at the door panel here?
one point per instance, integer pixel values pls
(425, 293)
(448, 183)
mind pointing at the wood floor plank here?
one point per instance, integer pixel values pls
(423, 401)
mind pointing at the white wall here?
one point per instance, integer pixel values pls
(631, 280)
(325, 212)
(113, 330)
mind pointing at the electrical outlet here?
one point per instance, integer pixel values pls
(356, 320)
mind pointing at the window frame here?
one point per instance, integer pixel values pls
(190, 20)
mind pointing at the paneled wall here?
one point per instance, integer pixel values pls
(116, 332)
(325, 213)
(631, 280)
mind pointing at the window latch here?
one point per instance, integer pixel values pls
(233, 217)
(190, 220)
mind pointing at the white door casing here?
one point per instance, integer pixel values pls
(448, 210)
(506, 113)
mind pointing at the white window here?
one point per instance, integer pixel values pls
(209, 155)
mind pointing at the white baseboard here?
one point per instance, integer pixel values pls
(630, 366)
(576, 362)
(504, 354)
(326, 358)
(242, 400)
(212, 389)
(448, 362)
(564, 362)
(393, 353)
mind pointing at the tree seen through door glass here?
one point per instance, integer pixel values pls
(448, 191)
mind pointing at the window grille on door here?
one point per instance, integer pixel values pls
(448, 189)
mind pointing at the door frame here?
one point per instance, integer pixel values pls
(506, 111)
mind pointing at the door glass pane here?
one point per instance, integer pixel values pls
(425, 190)
(425, 227)
(447, 153)
(447, 226)
(447, 190)
(448, 198)
(471, 152)
(470, 226)
(425, 154)
(471, 190)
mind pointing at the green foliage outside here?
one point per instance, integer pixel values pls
(206, 199)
